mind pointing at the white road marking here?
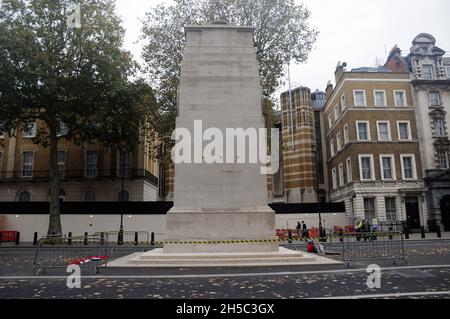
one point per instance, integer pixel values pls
(194, 276)
(394, 295)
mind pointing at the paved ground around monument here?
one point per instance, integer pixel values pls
(427, 275)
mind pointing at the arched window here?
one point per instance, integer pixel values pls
(24, 196)
(89, 196)
(124, 196)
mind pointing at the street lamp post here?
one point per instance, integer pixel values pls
(316, 153)
(122, 199)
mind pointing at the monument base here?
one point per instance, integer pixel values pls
(188, 227)
(159, 259)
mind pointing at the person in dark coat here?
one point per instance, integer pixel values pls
(305, 230)
(366, 230)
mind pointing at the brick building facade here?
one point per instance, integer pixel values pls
(374, 160)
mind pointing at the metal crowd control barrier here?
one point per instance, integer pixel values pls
(373, 246)
(129, 238)
(89, 251)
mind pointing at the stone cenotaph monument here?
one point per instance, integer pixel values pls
(217, 204)
(220, 87)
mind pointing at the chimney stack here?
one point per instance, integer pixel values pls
(340, 69)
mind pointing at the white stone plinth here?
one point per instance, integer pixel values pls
(220, 86)
(159, 259)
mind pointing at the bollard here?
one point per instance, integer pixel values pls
(136, 238)
(390, 233)
(120, 238)
(102, 238)
(290, 236)
(35, 239)
(18, 238)
(86, 239)
(69, 240)
(152, 242)
(422, 231)
(439, 235)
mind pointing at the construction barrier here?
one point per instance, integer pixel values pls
(373, 246)
(314, 233)
(89, 251)
(8, 236)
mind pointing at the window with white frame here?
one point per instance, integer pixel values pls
(62, 129)
(369, 209)
(343, 103)
(363, 131)
(338, 141)
(29, 130)
(346, 134)
(2, 130)
(384, 132)
(349, 170)
(435, 98)
(336, 113)
(408, 167)
(366, 167)
(380, 98)
(341, 175)
(62, 163)
(360, 97)
(332, 149)
(439, 127)
(391, 209)
(404, 131)
(387, 164)
(400, 98)
(443, 159)
(330, 121)
(91, 163)
(334, 179)
(27, 163)
(427, 71)
(447, 69)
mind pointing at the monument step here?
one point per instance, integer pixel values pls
(158, 259)
(220, 263)
(206, 256)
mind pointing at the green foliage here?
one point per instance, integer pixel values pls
(52, 72)
(48, 69)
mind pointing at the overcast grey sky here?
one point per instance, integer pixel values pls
(354, 31)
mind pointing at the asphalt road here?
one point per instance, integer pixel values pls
(427, 275)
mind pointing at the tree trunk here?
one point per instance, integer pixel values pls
(54, 227)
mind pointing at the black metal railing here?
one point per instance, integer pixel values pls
(79, 175)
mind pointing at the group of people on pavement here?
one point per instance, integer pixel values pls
(302, 230)
(363, 226)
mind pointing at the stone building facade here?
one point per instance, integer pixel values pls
(429, 69)
(87, 173)
(373, 154)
